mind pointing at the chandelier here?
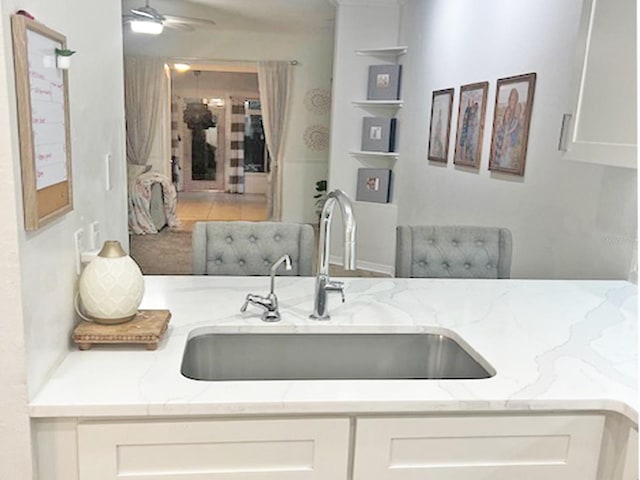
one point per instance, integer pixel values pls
(197, 115)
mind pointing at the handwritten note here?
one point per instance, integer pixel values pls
(47, 111)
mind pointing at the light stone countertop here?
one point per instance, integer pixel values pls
(555, 345)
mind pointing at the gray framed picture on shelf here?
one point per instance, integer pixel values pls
(373, 185)
(378, 134)
(384, 82)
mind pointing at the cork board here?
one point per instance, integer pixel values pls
(43, 122)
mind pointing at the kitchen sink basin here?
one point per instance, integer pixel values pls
(330, 356)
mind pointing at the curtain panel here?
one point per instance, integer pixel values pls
(235, 175)
(143, 82)
(176, 142)
(274, 83)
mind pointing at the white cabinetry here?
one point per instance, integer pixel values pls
(602, 125)
(285, 449)
(630, 469)
(535, 447)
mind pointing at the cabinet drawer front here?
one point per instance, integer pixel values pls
(459, 448)
(310, 449)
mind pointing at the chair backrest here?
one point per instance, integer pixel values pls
(250, 248)
(453, 252)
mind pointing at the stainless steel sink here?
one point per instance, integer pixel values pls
(332, 356)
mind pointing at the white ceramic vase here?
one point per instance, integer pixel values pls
(111, 286)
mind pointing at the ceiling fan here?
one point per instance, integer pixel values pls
(148, 20)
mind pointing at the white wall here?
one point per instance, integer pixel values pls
(15, 443)
(569, 220)
(314, 52)
(201, 86)
(47, 258)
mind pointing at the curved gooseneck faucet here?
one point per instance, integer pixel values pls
(324, 284)
(270, 302)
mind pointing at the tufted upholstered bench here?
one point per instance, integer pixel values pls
(453, 252)
(250, 248)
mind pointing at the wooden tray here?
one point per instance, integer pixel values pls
(147, 328)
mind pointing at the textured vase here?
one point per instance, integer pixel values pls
(111, 286)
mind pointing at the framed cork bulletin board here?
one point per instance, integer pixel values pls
(43, 122)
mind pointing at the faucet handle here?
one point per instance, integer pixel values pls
(246, 302)
(335, 286)
(264, 302)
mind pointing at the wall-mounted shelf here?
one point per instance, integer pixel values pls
(378, 103)
(380, 52)
(363, 153)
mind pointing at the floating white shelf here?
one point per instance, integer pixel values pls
(388, 51)
(363, 153)
(378, 103)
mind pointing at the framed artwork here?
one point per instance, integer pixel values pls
(514, 101)
(373, 185)
(441, 105)
(471, 112)
(43, 122)
(378, 134)
(384, 82)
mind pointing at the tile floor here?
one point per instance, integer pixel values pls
(200, 206)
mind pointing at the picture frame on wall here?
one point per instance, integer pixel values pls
(470, 126)
(440, 126)
(373, 185)
(378, 134)
(511, 119)
(384, 82)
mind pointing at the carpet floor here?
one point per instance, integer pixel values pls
(165, 253)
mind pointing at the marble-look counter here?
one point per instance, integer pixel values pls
(555, 345)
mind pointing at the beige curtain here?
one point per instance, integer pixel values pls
(143, 80)
(274, 84)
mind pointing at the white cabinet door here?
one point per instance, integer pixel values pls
(531, 447)
(603, 125)
(300, 449)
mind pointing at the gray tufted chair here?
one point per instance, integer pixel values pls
(453, 252)
(250, 248)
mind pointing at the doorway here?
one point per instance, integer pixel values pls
(203, 145)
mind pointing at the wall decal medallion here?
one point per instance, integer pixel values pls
(318, 101)
(316, 137)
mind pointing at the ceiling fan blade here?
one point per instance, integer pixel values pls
(183, 27)
(148, 13)
(172, 21)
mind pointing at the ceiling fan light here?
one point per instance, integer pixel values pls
(149, 27)
(181, 67)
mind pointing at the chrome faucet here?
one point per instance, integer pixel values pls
(324, 284)
(270, 302)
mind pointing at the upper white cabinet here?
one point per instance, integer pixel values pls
(602, 126)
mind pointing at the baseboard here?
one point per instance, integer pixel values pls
(363, 265)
